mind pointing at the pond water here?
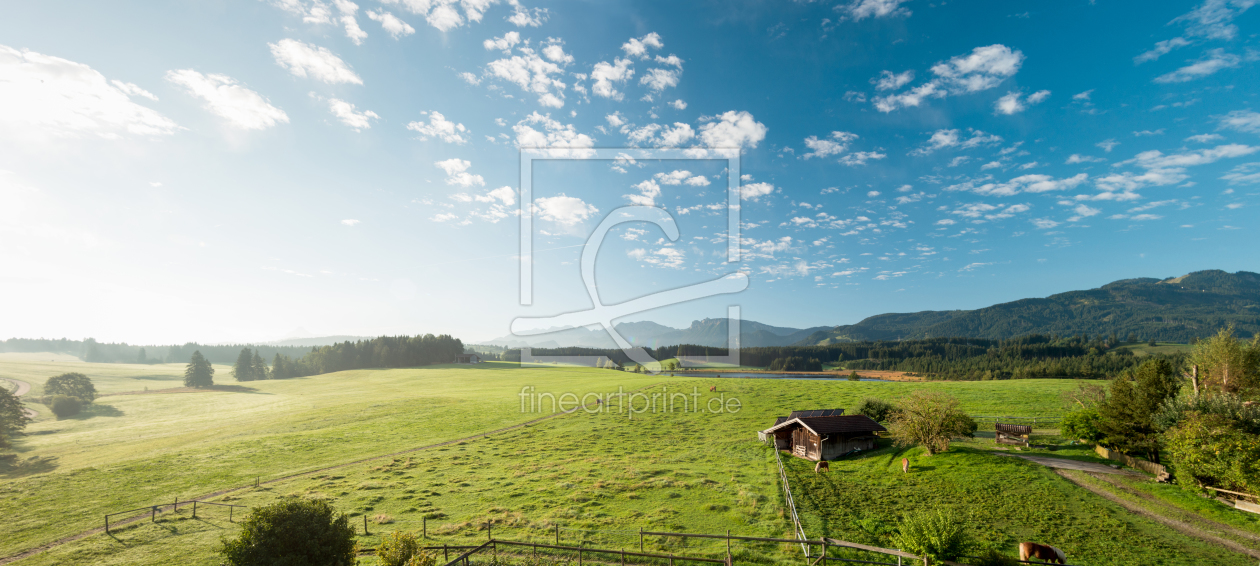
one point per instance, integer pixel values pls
(768, 375)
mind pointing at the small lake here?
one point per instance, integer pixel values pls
(767, 375)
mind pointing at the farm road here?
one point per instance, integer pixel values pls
(1187, 523)
(22, 389)
(1062, 464)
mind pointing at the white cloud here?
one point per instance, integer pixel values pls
(861, 9)
(46, 96)
(533, 74)
(457, 173)
(306, 60)
(1245, 174)
(678, 177)
(605, 75)
(243, 108)
(1212, 61)
(942, 139)
(982, 69)
(444, 217)
(522, 17)
(1078, 158)
(663, 257)
(1083, 96)
(658, 80)
(639, 47)
(679, 105)
(1242, 120)
(443, 14)
(1044, 223)
(1083, 211)
(1205, 138)
(872, 194)
(1155, 159)
(562, 140)
(1021, 184)
(555, 53)
(837, 144)
(648, 191)
(350, 222)
(754, 191)
(391, 24)
(1012, 104)
(679, 134)
(345, 112)
(887, 80)
(351, 25)
(470, 78)
(732, 130)
(505, 195)
(1161, 48)
(1144, 133)
(860, 157)
(506, 43)
(1107, 145)
(439, 127)
(563, 210)
(615, 119)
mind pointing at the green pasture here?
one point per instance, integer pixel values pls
(599, 475)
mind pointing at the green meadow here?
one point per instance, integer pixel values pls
(598, 475)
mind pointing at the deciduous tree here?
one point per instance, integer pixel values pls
(13, 416)
(931, 419)
(71, 384)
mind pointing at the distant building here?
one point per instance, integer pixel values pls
(467, 359)
(822, 434)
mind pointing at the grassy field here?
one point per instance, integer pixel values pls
(599, 476)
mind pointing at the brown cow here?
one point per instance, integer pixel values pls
(905, 465)
(713, 388)
(1043, 552)
(821, 466)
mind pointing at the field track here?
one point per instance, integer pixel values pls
(163, 508)
(22, 389)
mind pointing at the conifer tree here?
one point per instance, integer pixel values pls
(199, 372)
(243, 370)
(259, 367)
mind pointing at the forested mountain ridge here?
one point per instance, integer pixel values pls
(1176, 309)
(707, 332)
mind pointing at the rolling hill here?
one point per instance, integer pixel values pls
(1175, 309)
(707, 332)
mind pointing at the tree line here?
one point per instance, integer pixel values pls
(89, 350)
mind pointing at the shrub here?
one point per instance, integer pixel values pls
(1216, 451)
(878, 410)
(1083, 424)
(71, 385)
(853, 376)
(930, 419)
(293, 531)
(937, 535)
(64, 406)
(401, 548)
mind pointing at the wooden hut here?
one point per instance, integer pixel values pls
(824, 434)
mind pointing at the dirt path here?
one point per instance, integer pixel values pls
(22, 389)
(1194, 526)
(1060, 463)
(222, 492)
(1174, 510)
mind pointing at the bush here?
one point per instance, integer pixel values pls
(1214, 450)
(293, 532)
(878, 410)
(853, 376)
(71, 385)
(938, 535)
(930, 419)
(64, 406)
(401, 548)
(1083, 424)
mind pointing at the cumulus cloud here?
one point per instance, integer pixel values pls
(439, 127)
(887, 80)
(564, 210)
(605, 74)
(639, 47)
(504, 195)
(504, 44)
(944, 139)
(1211, 62)
(982, 69)
(1021, 184)
(678, 105)
(306, 60)
(348, 21)
(648, 191)
(732, 130)
(658, 80)
(243, 108)
(1013, 104)
(1078, 158)
(861, 9)
(444, 14)
(835, 144)
(46, 96)
(555, 53)
(678, 177)
(391, 24)
(1107, 145)
(560, 140)
(457, 173)
(860, 157)
(350, 222)
(1161, 48)
(1205, 138)
(345, 112)
(668, 256)
(524, 17)
(1245, 174)
(1082, 211)
(754, 191)
(533, 74)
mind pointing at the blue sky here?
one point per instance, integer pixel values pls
(233, 171)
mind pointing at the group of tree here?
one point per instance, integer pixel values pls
(1201, 419)
(68, 393)
(250, 366)
(89, 350)
(795, 363)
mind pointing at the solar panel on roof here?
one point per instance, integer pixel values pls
(817, 413)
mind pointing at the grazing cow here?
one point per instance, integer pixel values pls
(713, 389)
(905, 465)
(1043, 552)
(821, 466)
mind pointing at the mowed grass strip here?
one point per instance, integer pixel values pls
(607, 472)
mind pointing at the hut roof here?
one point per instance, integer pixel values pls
(817, 413)
(832, 425)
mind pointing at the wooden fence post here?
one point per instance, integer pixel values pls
(640, 539)
(153, 517)
(177, 503)
(445, 555)
(230, 509)
(488, 535)
(425, 526)
(194, 508)
(107, 524)
(365, 531)
(557, 535)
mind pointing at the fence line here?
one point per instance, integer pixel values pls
(799, 531)
(1160, 472)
